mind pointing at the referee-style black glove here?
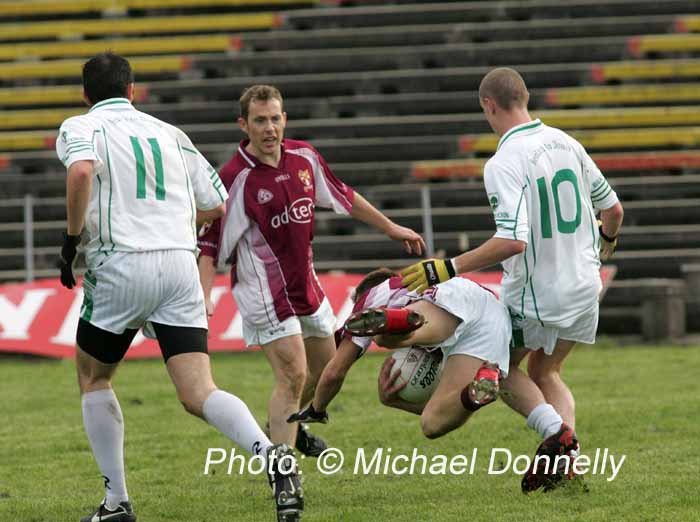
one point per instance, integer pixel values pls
(68, 253)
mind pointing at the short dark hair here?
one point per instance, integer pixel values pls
(506, 87)
(371, 280)
(106, 75)
(258, 93)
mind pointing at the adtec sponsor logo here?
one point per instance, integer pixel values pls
(300, 211)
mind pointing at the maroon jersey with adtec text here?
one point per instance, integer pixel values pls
(267, 231)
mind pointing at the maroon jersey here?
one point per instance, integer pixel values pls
(267, 231)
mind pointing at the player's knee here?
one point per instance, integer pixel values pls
(292, 380)
(544, 376)
(431, 426)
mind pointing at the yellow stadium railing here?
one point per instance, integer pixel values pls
(61, 95)
(628, 94)
(150, 25)
(604, 139)
(124, 46)
(70, 68)
(624, 161)
(39, 7)
(663, 43)
(688, 24)
(32, 140)
(645, 69)
(37, 118)
(621, 117)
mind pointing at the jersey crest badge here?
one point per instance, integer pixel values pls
(264, 196)
(494, 200)
(305, 178)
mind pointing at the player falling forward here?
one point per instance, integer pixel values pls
(462, 318)
(139, 186)
(544, 190)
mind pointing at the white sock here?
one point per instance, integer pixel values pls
(545, 420)
(104, 425)
(231, 416)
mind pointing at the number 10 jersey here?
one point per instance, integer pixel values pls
(543, 189)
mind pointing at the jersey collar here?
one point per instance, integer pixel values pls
(530, 125)
(112, 103)
(251, 160)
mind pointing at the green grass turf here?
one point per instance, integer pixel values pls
(642, 402)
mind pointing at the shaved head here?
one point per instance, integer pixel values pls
(505, 87)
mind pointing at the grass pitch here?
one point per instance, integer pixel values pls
(642, 402)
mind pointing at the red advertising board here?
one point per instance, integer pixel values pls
(41, 318)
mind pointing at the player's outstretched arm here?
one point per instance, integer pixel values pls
(329, 384)
(364, 211)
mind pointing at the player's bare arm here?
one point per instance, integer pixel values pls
(78, 189)
(207, 273)
(208, 216)
(429, 272)
(490, 253)
(364, 211)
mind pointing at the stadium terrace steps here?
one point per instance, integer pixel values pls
(663, 44)
(630, 161)
(677, 93)
(61, 7)
(125, 46)
(151, 66)
(410, 125)
(455, 12)
(460, 219)
(615, 139)
(426, 34)
(646, 70)
(71, 29)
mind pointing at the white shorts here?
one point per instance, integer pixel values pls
(319, 324)
(484, 330)
(133, 289)
(531, 334)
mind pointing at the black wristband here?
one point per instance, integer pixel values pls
(73, 241)
(606, 237)
(450, 267)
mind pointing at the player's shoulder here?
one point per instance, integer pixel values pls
(297, 145)
(232, 169)
(80, 121)
(301, 148)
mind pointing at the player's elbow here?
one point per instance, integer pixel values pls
(614, 213)
(516, 247)
(217, 212)
(80, 172)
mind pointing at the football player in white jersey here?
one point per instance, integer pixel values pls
(139, 188)
(544, 191)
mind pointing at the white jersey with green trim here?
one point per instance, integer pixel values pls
(148, 180)
(544, 189)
